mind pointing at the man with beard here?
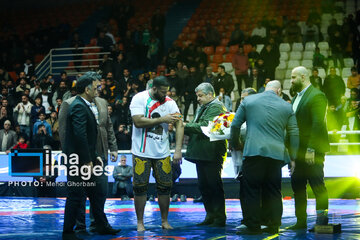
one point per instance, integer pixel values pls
(62, 93)
(309, 106)
(151, 112)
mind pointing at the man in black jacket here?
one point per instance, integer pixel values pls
(81, 139)
(310, 107)
(223, 80)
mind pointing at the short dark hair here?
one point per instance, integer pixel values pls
(315, 69)
(353, 69)
(161, 81)
(85, 80)
(222, 66)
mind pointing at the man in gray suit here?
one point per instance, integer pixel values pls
(105, 140)
(8, 137)
(267, 118)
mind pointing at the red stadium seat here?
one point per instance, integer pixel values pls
(229, 57)
(217, 58)
(214, 66)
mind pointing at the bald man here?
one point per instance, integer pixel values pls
(267, 117)
(309, 106)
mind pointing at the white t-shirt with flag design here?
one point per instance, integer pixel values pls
(151, 142)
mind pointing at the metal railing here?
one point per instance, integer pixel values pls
(59, 59)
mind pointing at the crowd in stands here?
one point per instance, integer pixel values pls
(29, 106)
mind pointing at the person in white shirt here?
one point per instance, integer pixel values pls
(152, 111)
(23, 109)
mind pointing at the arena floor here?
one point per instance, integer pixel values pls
(42, 219)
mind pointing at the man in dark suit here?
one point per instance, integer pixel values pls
(208, 156)
(81, 139)
(106, 140)
(267, 117)
(310, 107)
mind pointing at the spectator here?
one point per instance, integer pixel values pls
(42, 121)
(240, 63)
(21, 144)
(46, 99)
(153, 51)
(122, 175)
(223, 80)
(29, 69)
(353, 80)
(182, 74)
(176, 98)
(209, 76)
(8, 137)
(23, 111)
(337, 45)
(172, 58)
(77, 43)
(54, 124)
(258, 34)
(62, 92)
(36, 109)
(118, 66)
(42, 138)
(191, 82)
(315, 80)
(319, 59)
(58, 105)
(334, 87)
(124, 81)
(22, 87)
(112, 89)
(113, 117)
(4, 75)
(157, 25)
(34, 91)
(200, 56)
(174, 80)
(253, 56)
(262, 88)
(123, 138)
(271, 56)
(255, 80)
(104, 41)
(292, 32)
(9, 109)
(226, 100)
(333, 28)
(237, 36)
(212, 36)
(311, 33)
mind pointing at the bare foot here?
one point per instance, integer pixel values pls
(166, 225)
(140, 227)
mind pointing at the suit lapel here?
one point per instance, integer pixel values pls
(304, 98)
(88, 110)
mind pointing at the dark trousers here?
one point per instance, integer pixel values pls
(261, 191)
(241, 78)
(211, 189)
(314, 174)
(188, 100)
(101, 185)
(75, 201)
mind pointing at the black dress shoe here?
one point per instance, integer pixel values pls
(107, 231)
(218, 223)
(199, 199)
(244, 230)
(207, 221)
(298, 226)
(271, 230)
(70, 236)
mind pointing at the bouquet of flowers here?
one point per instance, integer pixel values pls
(219, 128)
